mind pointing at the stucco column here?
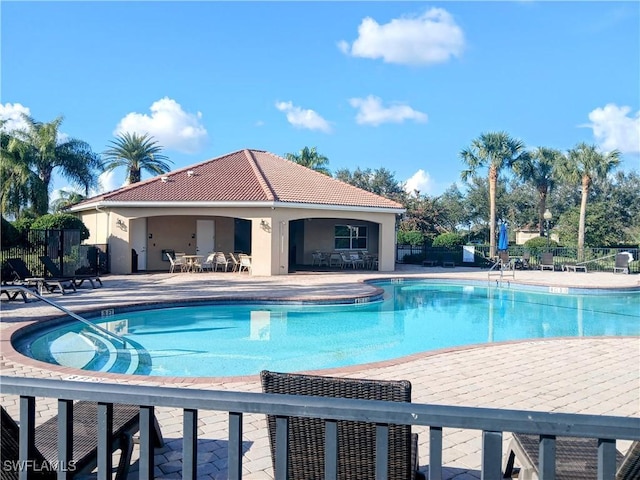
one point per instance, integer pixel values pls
(262, 235)
(387, 249)
(120, 244)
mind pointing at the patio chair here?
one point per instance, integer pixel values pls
(546, 261)
(356, 440)
(178, 262)
(505, 261)
(245, 263)
(335, 260)
(27, 279)
(318, 258)
(85, 440)
(235, 263)
(523, 263)
(221, 259)
(622, 262)
(575, 458)
(208, 263)
(77, 280)
(13, 291)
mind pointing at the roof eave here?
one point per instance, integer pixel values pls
(217, 204)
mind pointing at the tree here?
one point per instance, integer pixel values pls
(310, 158)
(583, 164)
(494, 150)
(380, 181)
(537, 169)
(44, 150)
(66, 199)
(16, 177)
(136, 153)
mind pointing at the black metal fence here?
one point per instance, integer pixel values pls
(595, 259)
(64, 247)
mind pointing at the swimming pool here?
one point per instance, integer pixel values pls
(415, 316)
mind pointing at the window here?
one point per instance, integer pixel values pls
(350, 237)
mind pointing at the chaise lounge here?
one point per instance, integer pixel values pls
(77, 280)
(85, 440)
(356, 440)
(576, 458)
(27, 279)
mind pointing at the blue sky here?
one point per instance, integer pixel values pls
(399, 85)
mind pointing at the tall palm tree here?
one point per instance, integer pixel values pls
(583, 164)
(537, 169)
(66, 199)
(44, 149)
(495, 150)
(15, 175)
(310, 158)
(136, 153)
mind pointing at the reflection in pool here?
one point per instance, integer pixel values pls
(413, 317)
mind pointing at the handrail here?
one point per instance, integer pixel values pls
(71, 314)
(596, 259)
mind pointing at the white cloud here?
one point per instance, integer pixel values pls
(12, 114)
(614, 128)
(371, 112)
(420, 181)
(430, 38)
(108, 181)
(300, 118)
(169, 124)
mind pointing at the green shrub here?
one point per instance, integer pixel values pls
(448, 240)
(410, 237)
(61, 221)
(539, 244)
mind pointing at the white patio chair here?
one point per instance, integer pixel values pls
(177, 263)
(209, 262)
(245, 263)
(221, 259)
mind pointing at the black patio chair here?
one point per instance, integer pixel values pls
(77, 280)
(24, 275)
(126, 422)
(356, 440)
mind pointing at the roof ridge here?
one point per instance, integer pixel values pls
(260, 176)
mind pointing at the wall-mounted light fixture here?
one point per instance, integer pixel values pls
(264, 225)
(150, 236)
(193, 235)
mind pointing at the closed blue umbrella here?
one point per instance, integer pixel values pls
(503, 239)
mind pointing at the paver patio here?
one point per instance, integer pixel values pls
(578, 375)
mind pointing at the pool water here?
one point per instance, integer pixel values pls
(413, 317)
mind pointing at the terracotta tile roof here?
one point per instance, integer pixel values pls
(245, 176)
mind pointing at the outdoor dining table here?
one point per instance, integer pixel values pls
(191, 261)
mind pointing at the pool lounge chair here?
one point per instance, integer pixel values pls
(356, 440)
(622, 263)
(27, 279)
(447, 261)
(77, 280)
(85, 440)
(547, 261)
(13, 291)
(576, 458)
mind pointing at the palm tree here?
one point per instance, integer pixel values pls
(15, 176)
(66, 199)
(537, 168)
(495, 150)
(44, 149)
(310, 158)
(583, 164)
(136, 153)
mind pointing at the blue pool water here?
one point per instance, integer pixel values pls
(227, 340)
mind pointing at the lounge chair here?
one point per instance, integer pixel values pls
(27, 279)
(547, 261)
(13, 291)
(505, 261)
(447, 261)
(77, 280)
(209, 262)
(575, 458)
(622, 262)
(356, 440)
(85, 440)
